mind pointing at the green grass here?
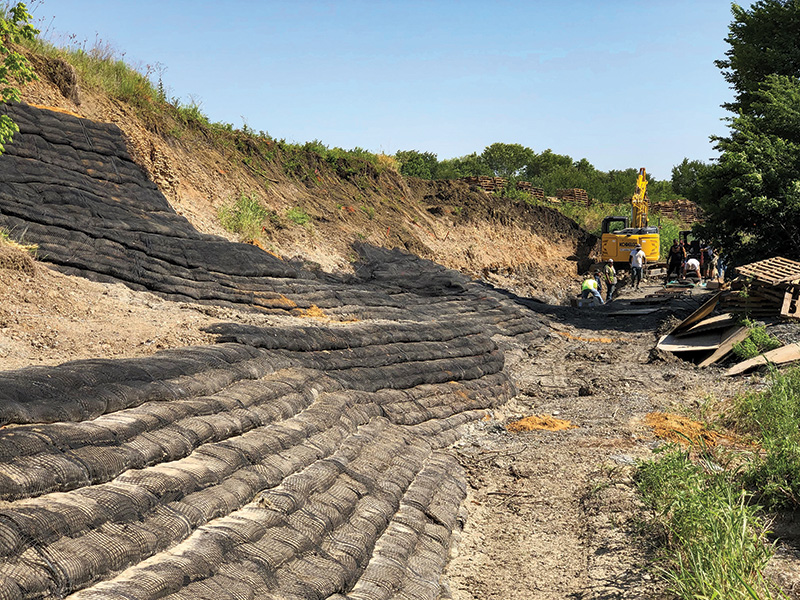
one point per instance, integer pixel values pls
(245, 216)
(772, 420)
(757, 342)
(708, 518)
(713, 538)
(298, 216)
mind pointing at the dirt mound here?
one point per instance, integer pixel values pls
(16, 259)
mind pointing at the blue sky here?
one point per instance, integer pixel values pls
(620, 83)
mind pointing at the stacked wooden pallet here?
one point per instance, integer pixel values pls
(575, 195)
(765, 288)
(490, 184)
(680, 209)
(527, 187)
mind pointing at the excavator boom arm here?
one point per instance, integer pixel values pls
(639, 202)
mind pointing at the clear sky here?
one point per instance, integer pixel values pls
(621, 83)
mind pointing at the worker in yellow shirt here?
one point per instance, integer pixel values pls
(589, 288)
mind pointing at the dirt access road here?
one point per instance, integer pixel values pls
(552, 514)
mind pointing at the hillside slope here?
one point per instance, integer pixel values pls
(533, 250)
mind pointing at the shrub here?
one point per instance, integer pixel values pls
(757, 342)
(245, 216)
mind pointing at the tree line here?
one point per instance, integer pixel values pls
(750, 194)
(547, 170)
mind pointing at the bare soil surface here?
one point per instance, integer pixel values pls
(554, 514)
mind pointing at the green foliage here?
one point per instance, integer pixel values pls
(752, 194)
(507, 160)
(772, 418)
(417, 164)
(669, 230)
(245, 216)
(547, 170)
(686, 178)
(763, 41)
(298, 216)
(714, 539)
(757, 342)
(471, 165)
(15, 69)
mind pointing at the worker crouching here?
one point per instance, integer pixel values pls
(589, 288)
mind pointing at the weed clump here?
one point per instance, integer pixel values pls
(714, 538)
(757, 342)
(245, 216)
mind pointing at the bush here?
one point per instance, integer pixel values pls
(772, 418)
(245, 216)
(757, 342)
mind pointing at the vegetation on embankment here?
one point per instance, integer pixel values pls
(710, 505)
(100, 68)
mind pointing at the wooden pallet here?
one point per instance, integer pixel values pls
(791, 303)
(773, 271)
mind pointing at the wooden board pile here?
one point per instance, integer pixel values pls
(680, 209)
(575, 195)
(489, 184)
(527, 187)
(765, 288)
(702, 338)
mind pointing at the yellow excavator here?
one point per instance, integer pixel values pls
(621, 235)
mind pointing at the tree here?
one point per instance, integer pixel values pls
(465, 166)
(14, 69)
(544, 163)
(763, 41)
(752, 194)
(417, 164)
(686, 178)
(507, 160)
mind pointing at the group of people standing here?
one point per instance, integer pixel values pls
(699, 260)
(593, 286)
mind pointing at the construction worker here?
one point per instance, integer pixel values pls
(589, 288)
(638, 260)
(610, 275)
(675, 260)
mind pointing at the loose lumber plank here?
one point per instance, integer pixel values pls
(701, 313)
(779, 356)
(708, 341)
(716, 322)
(731, 337)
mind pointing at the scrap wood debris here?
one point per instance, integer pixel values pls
(767, 288)
(534, 422)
